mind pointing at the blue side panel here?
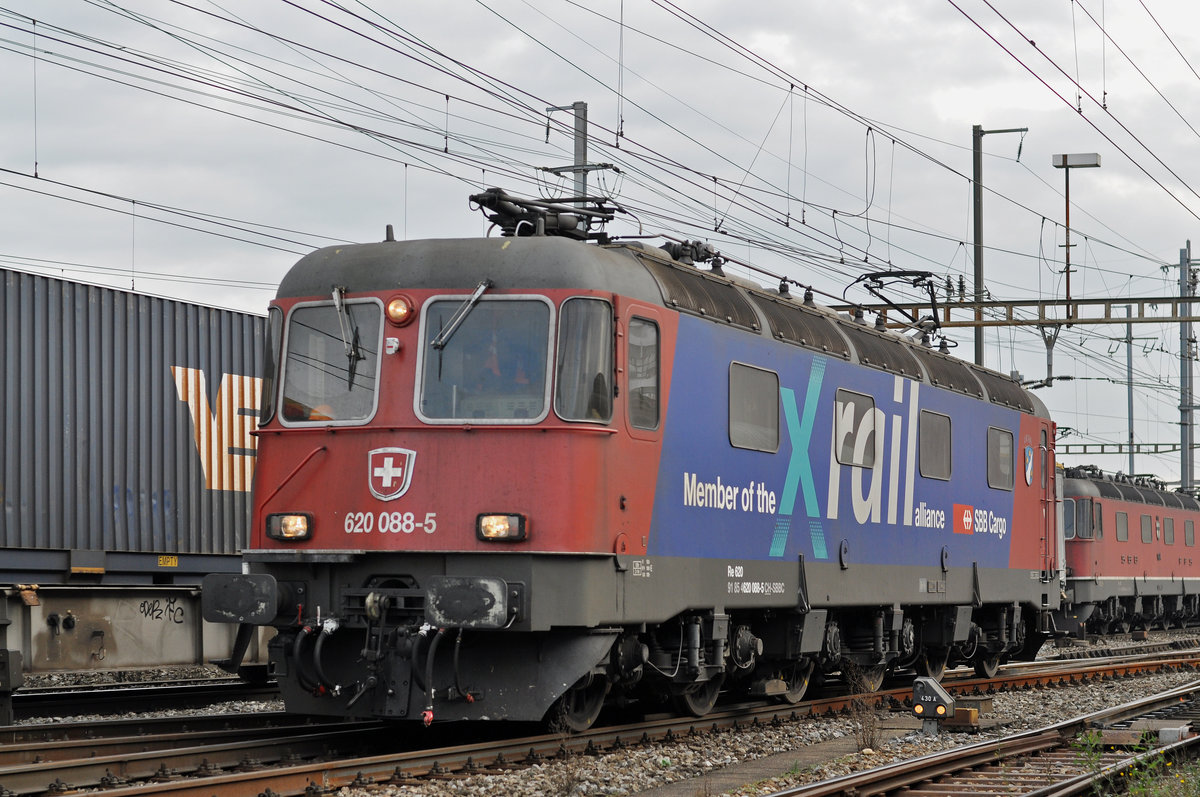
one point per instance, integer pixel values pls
(717, 501)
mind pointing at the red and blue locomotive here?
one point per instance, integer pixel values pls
(514, 477)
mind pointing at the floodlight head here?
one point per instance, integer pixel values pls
(1076, 160)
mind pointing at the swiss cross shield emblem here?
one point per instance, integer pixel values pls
(390, 472)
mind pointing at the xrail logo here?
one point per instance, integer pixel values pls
(964, 519)
(222, 432)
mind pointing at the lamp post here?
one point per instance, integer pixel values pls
(977, 134)
(1079, 160)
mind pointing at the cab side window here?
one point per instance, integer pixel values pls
(999, 458)
(1069, 519)
(1082, 517)
(643, 373)
(272, 345)
(583, 373)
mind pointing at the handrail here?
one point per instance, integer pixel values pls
(292, 475)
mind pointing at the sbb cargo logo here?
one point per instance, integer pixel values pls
(964, 519)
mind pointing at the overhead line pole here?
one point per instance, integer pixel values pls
(1187, 346)
(1129, 381)
(1067, 162)
(580, 167)
(977, 134)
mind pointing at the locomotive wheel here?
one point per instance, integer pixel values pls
(910, 650)
(579, 707)
(699, 699)
(865, 679)
(931, 663)
(987, 667)
(796, 677)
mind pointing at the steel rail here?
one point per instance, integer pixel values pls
(907, 774)
(45, 701)
(402, 767)
(58, 776)
(38, 752)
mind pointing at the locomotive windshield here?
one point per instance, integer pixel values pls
(494, 366)
(331, 362)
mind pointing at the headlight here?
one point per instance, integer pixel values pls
(500, 528)
(289, 527)
(401, 310)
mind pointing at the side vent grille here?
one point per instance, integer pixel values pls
(694, 292)
(1004, 391)
(884, 352)
(1146, 496)
(799, 325)
(948, 372)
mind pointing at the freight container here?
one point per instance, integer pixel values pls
(127, 460)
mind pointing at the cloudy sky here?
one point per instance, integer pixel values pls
(196, 149)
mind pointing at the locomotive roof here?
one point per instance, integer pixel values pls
(647, 273)
(526, 263)
(1090, 482)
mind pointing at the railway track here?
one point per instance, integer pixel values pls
(308, 759)
(146, 696)
(46, 701)
(1068, 758)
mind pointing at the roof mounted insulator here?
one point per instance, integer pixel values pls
(389, 235)
(944, 347)
(880, 322)
(691, 252)
(859, 317)
(808, 297)
(680, 252)
(783, 288)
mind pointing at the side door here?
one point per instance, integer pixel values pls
(1048, 495)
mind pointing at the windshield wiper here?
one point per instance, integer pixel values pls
(349, 334)
(459, 316)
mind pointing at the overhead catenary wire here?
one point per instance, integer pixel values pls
(1092, 124)
(841, 245)
(660, 177)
